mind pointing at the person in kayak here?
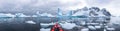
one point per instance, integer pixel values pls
(56, 27)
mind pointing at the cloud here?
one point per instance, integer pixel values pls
(51, 6)
(114, 7)
(42, 5)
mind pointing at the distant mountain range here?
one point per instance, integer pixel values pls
(93, 11)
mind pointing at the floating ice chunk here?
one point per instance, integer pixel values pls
(42, 29)
(30, 22)
(93, 23)
(110, 28)
(92, 27)
(68, 25)
(83, 23)
(85, 29)
(97, 27)
(46, 24)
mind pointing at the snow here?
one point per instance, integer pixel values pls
(21, 15)
(46, 24)
(83, 23)
(97, 27)
(30, 22)
(85, 29)
(79, 13)
(92, 27)
(68, 25)
(110, 29)
(6, 15)
(100, 13)
(46, 14)
(93, 23)
(91, 12)
(34, 16)
(42, 29)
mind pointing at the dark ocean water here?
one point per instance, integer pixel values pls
(18, 24)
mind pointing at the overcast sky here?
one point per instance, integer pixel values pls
(112, 6)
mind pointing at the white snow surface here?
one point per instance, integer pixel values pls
(6, 15)
(68, 25)
(30, 22)
(92, 27)
(34, 16)
(110, 28)
(21, 15)
(79, 13)
(46, 14)
(85, 29)
(97, 27)
(46, 24)
(42, 29)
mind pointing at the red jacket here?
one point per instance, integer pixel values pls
(56, 27)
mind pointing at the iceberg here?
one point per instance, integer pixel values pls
(30, 22)
(44, 25)
(21, 15)
(6, 15)
(93, 11)
(34, 16)
(67, 25)
(85, 29)
(46, 15)
(84, 11)
(42, 29)
(92, 27)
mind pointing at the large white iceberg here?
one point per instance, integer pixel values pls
(21, 15)
(6, 15)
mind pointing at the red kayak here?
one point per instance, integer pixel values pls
(56, 27)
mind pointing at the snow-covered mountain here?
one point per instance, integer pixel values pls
(93, 11)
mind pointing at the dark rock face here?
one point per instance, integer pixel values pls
(104, 11)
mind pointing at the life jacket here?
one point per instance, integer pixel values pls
(56, 27)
